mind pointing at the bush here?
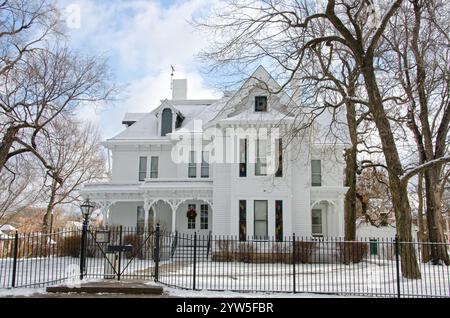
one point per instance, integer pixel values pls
(70, 246)
(136, 241)
(280, 253)
(246, 252)
(225, 251)
(352, 252)
(304, 251)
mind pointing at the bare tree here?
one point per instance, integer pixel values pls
(284, 33)
(417, 38)
(20, 187)
(73, 150)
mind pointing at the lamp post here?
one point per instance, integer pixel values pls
(86, 210)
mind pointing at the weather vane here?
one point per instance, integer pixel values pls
(171, 76)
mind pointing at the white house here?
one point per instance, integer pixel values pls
(234, 163)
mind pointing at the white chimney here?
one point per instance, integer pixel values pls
(179, 89)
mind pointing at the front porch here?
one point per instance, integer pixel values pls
(163, 201)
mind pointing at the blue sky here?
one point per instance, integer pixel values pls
(140, 38)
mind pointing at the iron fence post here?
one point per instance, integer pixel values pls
(397, 264)
(119, 265)
(156, 252)
(83, 247)
(195, 261)
(293, 264)
(16, 248)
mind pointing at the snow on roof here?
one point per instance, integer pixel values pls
(132, 117)
(147, 127)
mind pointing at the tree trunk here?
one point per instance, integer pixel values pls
(50, 206)
(434, 220)
(398, 189)
(6, 144)
(350, 196)
(425, 248)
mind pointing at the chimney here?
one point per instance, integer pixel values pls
(179, 89)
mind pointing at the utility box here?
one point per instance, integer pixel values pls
(373, 247)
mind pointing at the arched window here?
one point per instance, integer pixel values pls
(166, 122)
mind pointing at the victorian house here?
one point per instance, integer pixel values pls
(231, 166)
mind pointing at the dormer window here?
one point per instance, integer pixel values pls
(166, 122)
(260, 103)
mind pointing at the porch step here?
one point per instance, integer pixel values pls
(108, 287)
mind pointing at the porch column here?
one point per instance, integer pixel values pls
(104, 210)
(174, 218)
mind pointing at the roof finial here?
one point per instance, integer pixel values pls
(171, 76)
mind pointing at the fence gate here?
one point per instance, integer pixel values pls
(120, 253)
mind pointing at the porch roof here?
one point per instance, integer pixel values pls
(155, 188)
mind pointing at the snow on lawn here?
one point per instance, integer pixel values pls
(365, 278)
(175, 292)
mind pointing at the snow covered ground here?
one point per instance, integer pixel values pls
(366, 278)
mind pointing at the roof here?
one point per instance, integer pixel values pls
(198, 114)
(130, 118)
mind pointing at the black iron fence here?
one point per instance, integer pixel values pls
(367, 267)
(36, 259)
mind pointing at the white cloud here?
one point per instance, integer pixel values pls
(142, 39)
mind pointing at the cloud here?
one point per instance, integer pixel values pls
(142, 39)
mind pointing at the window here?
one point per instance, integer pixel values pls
(261, 158)
(140, 222)
(242, 157)
(316, 173)
(204, 169)
(260, 103)
(204, 217)
(192, 168)
(166, 121)
(260, 220)
(279, 220)
(242, 220)
(154, 167)
(316, 220)
(142, 168)
(279, 157)
(191, 221)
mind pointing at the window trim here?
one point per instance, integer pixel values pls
(162, 122)
(243, 154)
(204, 165)
(257, 99)
(242, 220)
(154, 173)
(266, 220)
(279, 220)
(321, 223)
(279, 157)
(313, 184)
(142, 169)
(204, 216)
(192, 165)
(191, 221)
(261, 160)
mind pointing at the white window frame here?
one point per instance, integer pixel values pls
(142, 170)
(154, 173)
(316, 174)
(261, 158)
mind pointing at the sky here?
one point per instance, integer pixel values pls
(140, 39)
